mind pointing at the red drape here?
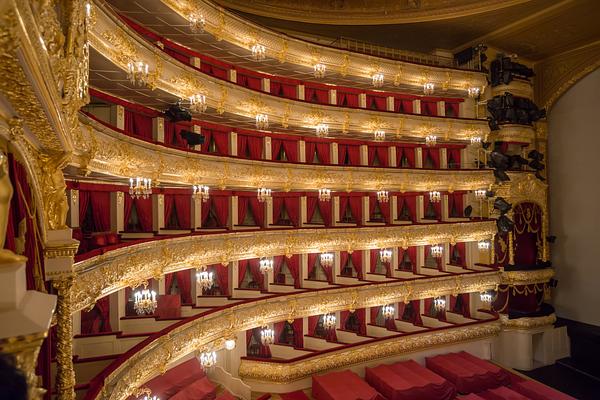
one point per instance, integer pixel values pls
(312, 202)
(297, 325)
(100, 202)
(283, 89)
(289, 146)
(408, 153)
(313, 321)
(293, 264)
(383, 206)
(320, 148)
(184, 283)
(138, 124)
(403, 105)
(144, 212)
(312, 259)
(248, 81)
(183, 209)
(213, 70)
(353, 152)
(416, 320)
(437, 207)
(357, 263)
(84, 202)
(316, 95)
(97, 320)
(242, 266)
(346, 99)
(453, 157)
(455, 201)
(257, 276)
(362, 320)
(465, 309)
(429, 107)
(459, 248)
(528, 233)
(222, 277)
(452, 109)
(382, 155)
(412, 255)
(411, 203)
(220, 205)
(250, 146)
(432, 153)
(356, 208)
(376, 103)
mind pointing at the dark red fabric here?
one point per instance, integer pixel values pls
(456, 200)
(347, 99)
(313, 321)
(465, 308)
(382, 154)
(176, 379)
(138, 124)
(257, 275)
(437, 206)
(452, 109)
(353, 152)
(250, 146)
(312, 203)
(357, 263)
(453, 157)
(378, 103)
(100, 202)
(316, 95)
(342, 385)
(537, 391)
(320, 148)
(403, 105)
(221, 274)
(312, 260)
(248, 81)
(416, 320)
(283, 89)
(460, 250)
(144, 212)
(429, 108)
(433, 153)
(184, 283)
(213, 70)
(220, 205)
(97, 320)
(409, 153)
(293, 264)
(411, 204)
(527, 233)
(84, 202)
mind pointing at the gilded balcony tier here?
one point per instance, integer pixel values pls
(209, 331)
(518, 278)
(120, 45)
(107, 273)
(103, 150)
(273, 372)
(225, 25)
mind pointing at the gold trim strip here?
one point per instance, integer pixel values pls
(517, 278)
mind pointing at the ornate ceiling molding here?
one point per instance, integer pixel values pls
(281, 373)
(120, 45)
(209, 331)
(227, 26)
(107, 273)
(557, 74)
(378, 12)
(106, 151)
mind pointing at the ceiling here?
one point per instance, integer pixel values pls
(533, 29)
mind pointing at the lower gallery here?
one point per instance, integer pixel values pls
(225, 200)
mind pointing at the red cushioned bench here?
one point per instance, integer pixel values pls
(343, 385)
(176, 379)
(468, 373)
(536, 391)
(502, 393)
(409, 381)
(201, 389)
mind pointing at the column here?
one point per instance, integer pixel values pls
(443, 158)
(303, 215)
(158, 129)
(158, 212)
(232, 75)
(195, 61)
(337, 268)
(333, 97)
(444, 207)
(265, 85)
(393, 208)
(198, 129)
(441, 108)
(300, 92)
(233, 150)
(365, 209)
(268, 154)
(117, 211)
(364, 155)
(196, 216)
(390, 103)
(333, 153)
(336, 210)
(301, 151)
(362, 100)
(117, 116)
(417, 106)
(392, 162)
(418, 157)
(233, 212)
(73, 213)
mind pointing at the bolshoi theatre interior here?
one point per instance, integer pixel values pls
(316, 200)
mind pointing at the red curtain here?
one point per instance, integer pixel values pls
(433, 154)
(362, 320)
(357, 263)
(100, 202)
(292, 205)
(376, 103)
(416, 320)
(459, 249)
(221, 142)
(411, 204)
(184, 283)
(220, 205)
(382, 155)
(138, 124)
(316, 95)
(249, 146)
(97, 320)
(248, 81)
(528, 233)
(257, 276)
(353, 152)
(297, 325)
(436, 206)
(412, 255)
(84, 202)
(455, 201)
(213, 70)
(383, 206)
(356, 208)
(403, 105)
(242, 209)
(346, 99)
(312, 202)
(183, 206)
(242, 266)
(144, 212)
(313, 321)
(283, 89)
(465, 307)
(291, 149)
(452, 109)
(258, 210)
(222, 277)
(321, 149)
(429, 107)
(408, 153)
(312, 259)
(453, 157)
(293, 264)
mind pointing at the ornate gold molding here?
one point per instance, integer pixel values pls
(209, 331)
(271, 372)
(517, 87)
(104, 274)
(527, 322)
(281, 111)
(116, 154)
(25, 350)
(225, 25)
(516, 278)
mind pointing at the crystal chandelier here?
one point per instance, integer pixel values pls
(437, 250)
(230, 344)
(137, 73)
(383, 196)
(326, 260)
(379, 135)
(486, 297)
(150, 397)
(377, 79)
(428, 88)
(483, 245)
(430, 140)
(263, 194)
(259, 52)
(267, 336)
(208, 359)
(479, 194)
(320, 70)
(140, 187)
(324, 194)
(262, 121)
(204, 278)
(198, 103)
(147, 394)
(144, 300)
(197, 23)
(435, 196)
(387, 311)
(329, 321)
(385, 255)
(476, 140)
(439, 303)
(473, 92)
(200, 192)
(322, 130)
(266, 265)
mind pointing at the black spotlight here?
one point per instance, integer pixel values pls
(504, 224)
(176, 113)
(192, 138)
(468, 211)
(502, 205)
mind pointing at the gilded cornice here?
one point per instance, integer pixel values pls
(527, 322)
(209, 332)
(513, 133)
(107, 273)
(556, 74)
(517, 278)
(272, 372)
(106, 151)
(119, 44)
(227, 26)
(517, 87)
(378, 12)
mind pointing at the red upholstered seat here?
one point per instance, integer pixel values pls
(467, 374)
(175, 379)
(502, 393)
(112, 238)
(342, 385)
(99, 241)
(537, 391)
(202, 389)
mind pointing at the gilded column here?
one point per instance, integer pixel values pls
(65, 375)
(511, 250)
